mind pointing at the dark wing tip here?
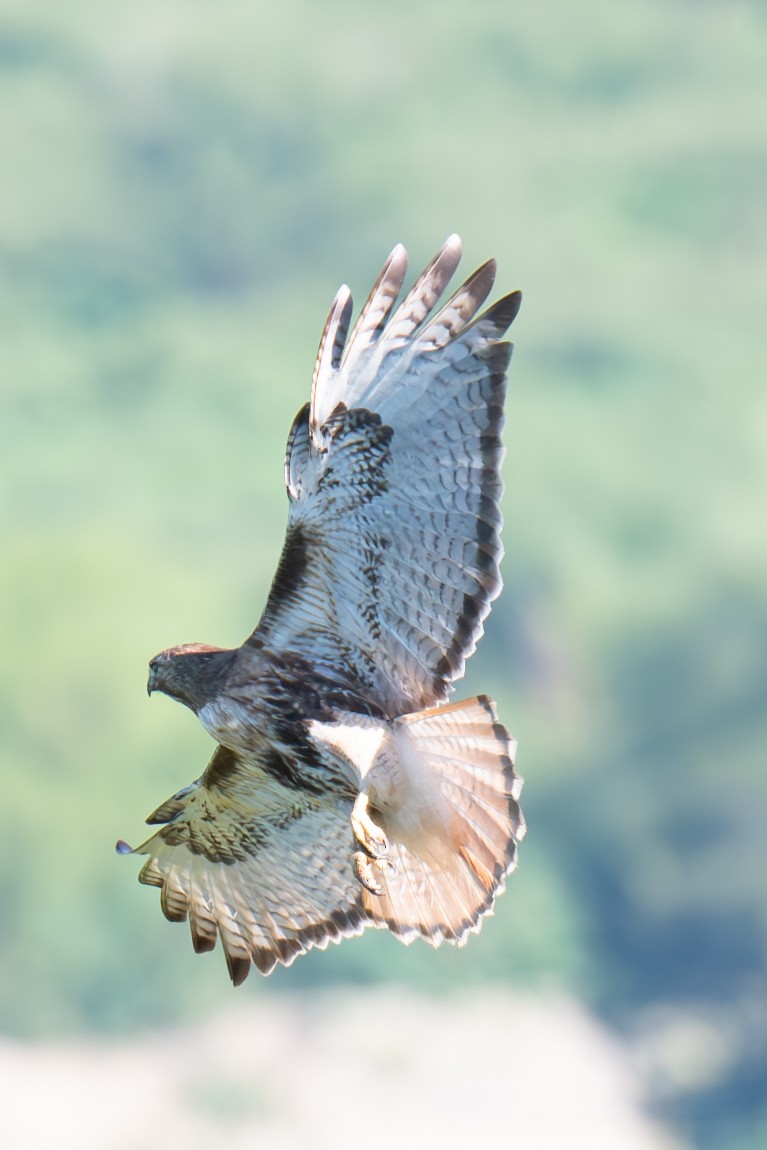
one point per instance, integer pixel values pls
(239, 968)
(264, 959)
(504, 312)
(166, 812)
(203, 943)
(481, 281)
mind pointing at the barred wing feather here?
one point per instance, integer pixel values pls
(391, 557)
(258, 863)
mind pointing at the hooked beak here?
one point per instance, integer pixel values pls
(152, 680)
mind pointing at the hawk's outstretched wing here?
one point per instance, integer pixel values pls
(261, 863)
(390, 561)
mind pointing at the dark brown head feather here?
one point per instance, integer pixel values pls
(193, 673)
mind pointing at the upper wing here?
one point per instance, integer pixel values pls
(391, 556)
(265, 865)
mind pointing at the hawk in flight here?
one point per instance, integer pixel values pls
(344, 791)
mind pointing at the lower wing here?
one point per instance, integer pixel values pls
(263, 865)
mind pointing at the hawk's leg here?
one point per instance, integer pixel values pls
(370, 836)
(374, 845)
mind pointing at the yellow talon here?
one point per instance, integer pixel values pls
(365, 867)
(370, 836)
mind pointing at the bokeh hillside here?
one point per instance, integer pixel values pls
(182, 190)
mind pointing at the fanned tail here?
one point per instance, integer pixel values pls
(447, 798)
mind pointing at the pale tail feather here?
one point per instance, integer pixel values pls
(448, 803)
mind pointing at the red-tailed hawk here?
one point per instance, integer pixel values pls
(344, 793)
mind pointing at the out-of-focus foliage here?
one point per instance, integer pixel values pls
(183, 188)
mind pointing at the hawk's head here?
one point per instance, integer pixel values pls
(193, 673)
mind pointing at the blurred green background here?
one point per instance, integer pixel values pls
(183, 188)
